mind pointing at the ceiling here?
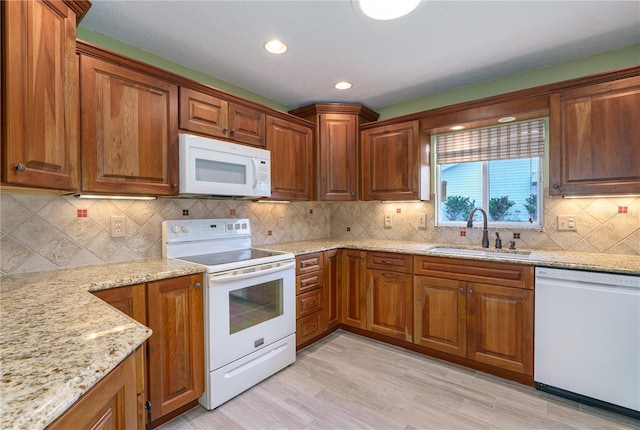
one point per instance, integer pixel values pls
(443, 45)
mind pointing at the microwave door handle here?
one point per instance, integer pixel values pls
(255, 172)
(216, 279)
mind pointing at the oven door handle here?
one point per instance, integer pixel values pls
(235, 277)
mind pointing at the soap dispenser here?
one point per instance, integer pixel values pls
(498, 241)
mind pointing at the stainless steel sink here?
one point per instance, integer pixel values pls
(474, 252)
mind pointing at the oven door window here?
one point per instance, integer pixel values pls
(255, 304)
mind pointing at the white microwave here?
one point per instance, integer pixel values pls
(218, 168)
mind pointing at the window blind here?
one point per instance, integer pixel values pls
(521, 140)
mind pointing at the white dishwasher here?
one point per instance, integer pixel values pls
(587, 337)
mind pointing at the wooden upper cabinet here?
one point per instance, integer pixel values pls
(594, 142)
(129, 129)
(391, 162)
(337, 139)
(292, 160)
(39, 86)
(213, 116)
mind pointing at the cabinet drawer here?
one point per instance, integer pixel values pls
(389, 262)
(487, 272)
(309, 263)
(309, 303)
(309, 327)
(305, 283)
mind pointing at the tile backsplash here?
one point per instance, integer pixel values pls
(42, 232)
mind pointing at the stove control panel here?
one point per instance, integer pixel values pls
(202, 229)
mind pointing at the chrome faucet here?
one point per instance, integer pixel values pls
(485, 232)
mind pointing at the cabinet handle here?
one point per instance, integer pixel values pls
(197, 285)
(389, 275)
(387, 262)
(461, 289)
(20, 167)
(470, 291)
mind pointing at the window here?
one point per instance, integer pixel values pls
(495, 168)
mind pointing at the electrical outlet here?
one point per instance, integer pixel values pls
(567, 223)
(387, 221)
(117, 226)
(421, 220)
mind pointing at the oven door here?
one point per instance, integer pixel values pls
(248, 309)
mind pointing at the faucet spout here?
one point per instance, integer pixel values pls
(485, 231)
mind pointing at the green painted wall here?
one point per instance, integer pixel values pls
(626, 57)
(612, 60)
(146, 57)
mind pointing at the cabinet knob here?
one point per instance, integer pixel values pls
(174, 185)
(20, 167)
(197, 285)
(233, 131)
(362, 257)
(470, 291)
(461, 289)
(556, 186)
(353, 193)
(224, 130)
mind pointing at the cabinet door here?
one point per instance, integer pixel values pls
(338, 163)
(247, 125)
(203, 113)
(594, 144)
(176, 348)
(390, 304)
(440, 314)
(353, 280)
(40, 123)
(331, 291)
(110, 404)
(292, 172)
(131, 301)
(391, 162)
(500, 327)
(129, 130)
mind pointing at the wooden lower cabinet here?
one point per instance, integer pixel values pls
(440, 314)
(317, 296)
(500, 327)
(390, 295)
(482, 311)
(353, 285)
(131, 301)
(173, 357)
(176, 348)
(110, 404)
(332, 311)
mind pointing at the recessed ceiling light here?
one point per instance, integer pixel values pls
(457, 127)
(386, 10)
(507, 119)
(343, 85)
(276, 46)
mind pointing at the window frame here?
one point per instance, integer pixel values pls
(441, 221)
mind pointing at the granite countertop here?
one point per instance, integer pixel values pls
(57, 340)
(615, 263)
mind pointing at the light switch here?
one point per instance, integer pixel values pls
(567, 223)
(387, 221)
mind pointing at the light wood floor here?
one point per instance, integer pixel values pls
(349, 382)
